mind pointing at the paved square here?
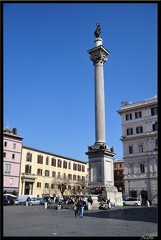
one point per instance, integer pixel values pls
(120, 221)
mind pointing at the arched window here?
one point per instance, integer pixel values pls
(29, 157)
(131, 169)
(142, 169)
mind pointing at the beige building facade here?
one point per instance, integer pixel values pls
(140, 155)
(44, 174)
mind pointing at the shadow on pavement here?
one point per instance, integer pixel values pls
(129, 214)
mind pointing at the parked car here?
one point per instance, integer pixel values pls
(16, 201)
(131, 202)
(8, 200)
(34, 201)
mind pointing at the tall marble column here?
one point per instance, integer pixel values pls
(100, 155)
(98, 56)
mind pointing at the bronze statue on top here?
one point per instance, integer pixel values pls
(97, 31)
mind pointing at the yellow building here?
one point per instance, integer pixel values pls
(45, 174)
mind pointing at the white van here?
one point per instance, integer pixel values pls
(22, 198)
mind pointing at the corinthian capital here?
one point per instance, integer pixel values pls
(98, 58)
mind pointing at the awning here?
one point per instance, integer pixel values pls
(10, 189)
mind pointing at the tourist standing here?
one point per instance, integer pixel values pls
(76, 207)
(81, 207)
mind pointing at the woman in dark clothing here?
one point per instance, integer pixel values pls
(76, 207)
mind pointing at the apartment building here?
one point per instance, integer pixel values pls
(140, 155)
(44, 174)
(119, 174)
(12, 150)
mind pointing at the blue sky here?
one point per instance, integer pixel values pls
(49, 77)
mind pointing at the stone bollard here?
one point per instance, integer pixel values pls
(89, 206)
(148, 205)
(59, 207)
(46, 205)
(27, 203)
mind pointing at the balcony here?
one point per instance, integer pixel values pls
(28, 176)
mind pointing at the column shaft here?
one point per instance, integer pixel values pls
(99, 104)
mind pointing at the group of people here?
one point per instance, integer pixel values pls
(96, 190)
(79, 204)
(106, 204)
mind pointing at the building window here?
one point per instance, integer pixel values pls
(64, 175)
(53, 162)
(7, 168)
(79, 178)
(154, 111)
(13, 156)
(142, 169)
(129, 116)
(139, 129)
(75, 166)
(69, 187)
(59, 163)
(120, 165)
(40, 159)
(53, 174)
(83, 178)
(129, 131)
(27, 169)
(131, 169)
(155, 126)
(138, 115)
(79, 167)
(14, 145)
(11, 180)
(5, 144)
(69, 165)
(29, 157)
(83, 168)
(39, 172)
(4, 154)
(46, 185)
(74, 177)
(47, 160)
(47, 173)
(64, 164)
(58, 174)
(69, 176)
(52, 185)
(130, 149)
(38, 184)
(140, 148)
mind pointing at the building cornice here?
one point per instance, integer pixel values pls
(53, 154)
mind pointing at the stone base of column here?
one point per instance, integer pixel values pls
(110, 192)
(95, 204)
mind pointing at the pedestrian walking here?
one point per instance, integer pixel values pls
(81, 207)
